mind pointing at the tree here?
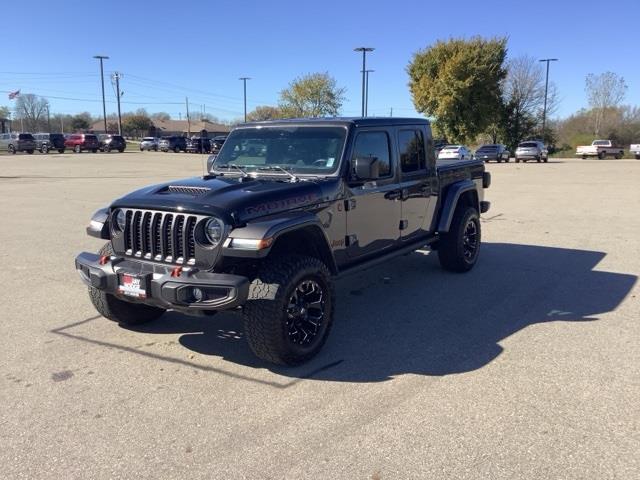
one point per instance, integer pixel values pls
(459, 83)
(604, 91)
(264, 112)
(5, 112)
(32, 110)
(81, 121)
(162, 116)
(312, 95)
(523, 95)
(136, 125)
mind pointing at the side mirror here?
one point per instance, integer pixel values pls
(210, 161)
(366, 168)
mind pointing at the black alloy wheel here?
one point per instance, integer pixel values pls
(470, 240)
(305, 313)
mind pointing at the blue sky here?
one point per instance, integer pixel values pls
(168, 50)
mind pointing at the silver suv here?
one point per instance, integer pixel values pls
(532, 150)
(17, 142)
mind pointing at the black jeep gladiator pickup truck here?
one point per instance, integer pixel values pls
(285, 207)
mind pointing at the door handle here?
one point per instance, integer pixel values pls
(394, 195)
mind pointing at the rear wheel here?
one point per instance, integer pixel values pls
(289, 313)
(458, 249)
(77, 149)
(61, 150)
(126, 313)
(602, 155)
(44, 149)
(12, 149)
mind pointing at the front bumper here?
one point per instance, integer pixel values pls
(164, 288)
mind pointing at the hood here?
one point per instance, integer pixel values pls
(234, 199)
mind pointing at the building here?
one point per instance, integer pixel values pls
(181, 128)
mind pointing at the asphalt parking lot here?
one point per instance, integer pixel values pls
(527, 367)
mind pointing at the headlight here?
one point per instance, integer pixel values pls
(121, 220)
(214, 230)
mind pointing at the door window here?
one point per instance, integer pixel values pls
(412, 153)
(374, 144)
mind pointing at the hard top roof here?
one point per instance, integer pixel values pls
(357, 121)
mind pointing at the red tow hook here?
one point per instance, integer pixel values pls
(176, 272)
(104, 259)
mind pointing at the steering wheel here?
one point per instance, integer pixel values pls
(321, 162)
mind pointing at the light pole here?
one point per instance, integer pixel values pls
(366, 94)
(117, 76)
(244, 81)
(364, 51)
(546, 89)
(104, 107)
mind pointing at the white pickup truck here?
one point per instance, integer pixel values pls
(635, 150)
(600, 149)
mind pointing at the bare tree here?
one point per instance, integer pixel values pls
(32, 110)
(604, 92)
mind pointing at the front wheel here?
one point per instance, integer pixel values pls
(12, 149)
(458, 249)
(112, 308)
(289, 313)
(44, 149)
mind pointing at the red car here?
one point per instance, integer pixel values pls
(82, 141)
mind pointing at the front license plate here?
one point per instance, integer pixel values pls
(132, 285)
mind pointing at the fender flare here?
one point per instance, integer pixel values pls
(454, 192)
(274, 228)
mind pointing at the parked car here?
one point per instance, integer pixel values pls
(49, 141)
(455, 152)
(217, 142)
(272, 237)
(199, 145)
(532, 150)
(79, 142)
(149, 143)
(174, 143)
(112, 142)
(495, 152)
(635, 150)
(600, 149)
(17, 142)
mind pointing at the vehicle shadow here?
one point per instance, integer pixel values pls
(409, 316)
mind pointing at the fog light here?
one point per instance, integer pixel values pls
(198, 295)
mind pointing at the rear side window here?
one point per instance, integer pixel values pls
(374, 144)
(412, 153)
(25, 136)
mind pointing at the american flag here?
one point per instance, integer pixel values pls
(13, 95)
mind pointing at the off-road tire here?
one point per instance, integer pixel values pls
(451, 246)
(112, 308)
(265, 313)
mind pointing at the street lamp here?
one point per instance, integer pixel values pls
(366, 95)
(364, 51)
(104, 107)
(244, 81)
(546, 89)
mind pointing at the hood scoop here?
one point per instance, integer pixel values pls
(185, 190)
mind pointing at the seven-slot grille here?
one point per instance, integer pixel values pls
(160, 236)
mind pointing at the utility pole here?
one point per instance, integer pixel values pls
(364, 51)
(391, 112)
(117, 77)
(188, 118)
(546, 89)
(366, 93)
(48, 119)
(244, 81)
(61, 124)
(104, 106)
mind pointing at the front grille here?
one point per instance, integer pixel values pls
(160, 236)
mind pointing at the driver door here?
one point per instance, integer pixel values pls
(373, 207)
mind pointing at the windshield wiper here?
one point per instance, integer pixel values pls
(278, 167)
(231, 165)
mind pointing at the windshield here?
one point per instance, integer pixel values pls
(488, 147)
(601, 142)
(528, 145)
(297, 149)
(25, 136)
(452, 148)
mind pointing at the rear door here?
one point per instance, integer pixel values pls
(414, 183)
(373, 208)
